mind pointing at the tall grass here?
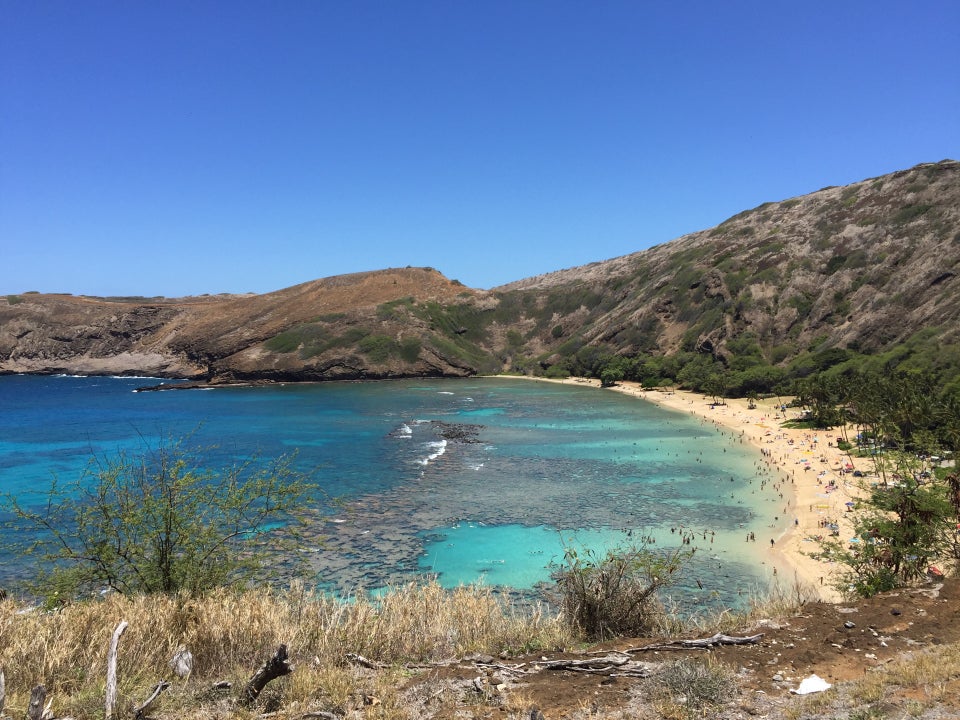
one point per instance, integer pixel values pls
(230, 633)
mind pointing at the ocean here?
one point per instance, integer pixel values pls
(480, 480)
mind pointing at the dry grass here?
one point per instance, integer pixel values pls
(928, 673)
(907, 687)
(231, 633)
(689, 687)
(777, 603)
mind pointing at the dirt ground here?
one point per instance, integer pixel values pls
(839, 643)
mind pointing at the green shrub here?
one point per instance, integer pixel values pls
(410, 349)
(378, 348)
(909, 213)
(285, 342)
(559, 371)
(514, 338)
(159, 522)
(616, 593)
(388, 310)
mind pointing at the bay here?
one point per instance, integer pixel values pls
(489, 479)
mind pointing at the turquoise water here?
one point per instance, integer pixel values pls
(482, 479)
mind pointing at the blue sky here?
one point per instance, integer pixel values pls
(173, 148)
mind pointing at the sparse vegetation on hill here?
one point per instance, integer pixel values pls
(865, 273)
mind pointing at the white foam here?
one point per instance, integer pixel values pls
(439, 447)
(444, 392)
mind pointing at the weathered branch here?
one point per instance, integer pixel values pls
(275, 667)
(601, 664)
(35, 708)
(701, 644)
(515, 669)
(111, 699)
(140, 713)
(358, 659)
(613, 665)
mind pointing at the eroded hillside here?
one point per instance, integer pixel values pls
(335, 328)
(861, 267)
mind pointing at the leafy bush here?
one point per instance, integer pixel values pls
(616, 593)
(285, 342)
(909, 213)
(378, 348)
(560, 371)
(389, 309)
(158, 523)
(410, 349)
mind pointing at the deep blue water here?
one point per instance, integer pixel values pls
(547, 466)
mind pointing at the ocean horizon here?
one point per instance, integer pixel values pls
(464, 480)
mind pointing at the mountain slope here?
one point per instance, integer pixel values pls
(333, 325)
(863, 267)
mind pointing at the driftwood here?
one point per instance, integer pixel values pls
(3, 691)
(613, 665)
(358, 659)
(701, 644)
(601, 664)
(517, 669)
(275, 667)
(140, 713)
(36, 710)
(111, 699)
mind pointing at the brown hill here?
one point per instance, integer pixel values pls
(331, 321)
(863, 267)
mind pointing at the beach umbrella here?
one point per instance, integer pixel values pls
(849, 504)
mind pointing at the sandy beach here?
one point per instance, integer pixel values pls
(816, 478)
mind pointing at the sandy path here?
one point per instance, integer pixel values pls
(816, 478)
